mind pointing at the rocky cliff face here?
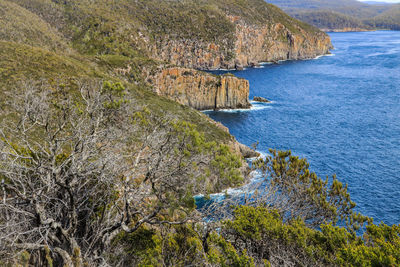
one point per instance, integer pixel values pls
(251, 44)
(276, 42)
(202, 90)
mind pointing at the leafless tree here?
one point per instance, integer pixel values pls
(77, 167)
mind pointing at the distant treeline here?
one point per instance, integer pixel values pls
(331, 20)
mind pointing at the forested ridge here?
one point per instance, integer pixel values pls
(98, 170)
(330, 20)
(344, 14)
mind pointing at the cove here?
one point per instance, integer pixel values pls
(341, 112)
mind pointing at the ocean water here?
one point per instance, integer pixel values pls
(341, 112)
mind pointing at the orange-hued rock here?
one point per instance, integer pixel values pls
(276, 42)
(202, 90)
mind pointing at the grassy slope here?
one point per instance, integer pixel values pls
(20, 25)
(20, 62)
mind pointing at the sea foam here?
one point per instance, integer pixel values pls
(254, 107)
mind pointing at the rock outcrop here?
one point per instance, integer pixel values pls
(202, 90)
(261, 99)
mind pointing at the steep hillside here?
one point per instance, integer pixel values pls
(197, 34)
(21, 63)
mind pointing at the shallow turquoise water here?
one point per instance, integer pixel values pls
(341, 112)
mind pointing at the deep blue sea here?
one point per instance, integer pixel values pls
(341, 112)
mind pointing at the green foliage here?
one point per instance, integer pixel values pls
(261, 230)
(184, 19)
(24, 258)
(223, 253)
(115, 93)
(315, 200)
(141, 245)
(181, 246)
(258, 236)
(165, 246)
(224, 163)
(351, 8)
(227, 165)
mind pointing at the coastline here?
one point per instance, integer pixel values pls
(245, 150)
(262, 64)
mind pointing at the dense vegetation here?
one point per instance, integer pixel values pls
(329, 20)
(95, 169)
(343, 14)
(389, 19)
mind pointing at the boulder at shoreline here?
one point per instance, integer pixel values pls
(261, 99)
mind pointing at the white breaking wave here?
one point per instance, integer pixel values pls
(256, 179)
(225, 69)
(249, 188)
(255, 107)
(263, 155)
(327, 55)
(266, 63)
